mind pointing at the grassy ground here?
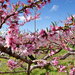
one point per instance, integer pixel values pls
(52, 71)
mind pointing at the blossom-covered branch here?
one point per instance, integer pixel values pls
(9, 52)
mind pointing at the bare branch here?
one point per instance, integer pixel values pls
(28, 71)
(3, 57)
(38, 66)
(67, 54)
(64, 56)
(34, 67)
(48, 55)
(11, 72)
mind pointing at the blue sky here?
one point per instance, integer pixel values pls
(55, 11)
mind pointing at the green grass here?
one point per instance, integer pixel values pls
(52, 71)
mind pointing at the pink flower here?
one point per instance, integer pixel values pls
(38, 6)
(43, 3)
(54, 28)
(12, 64)
(36, 16)
(52, 52)
(72, 71)
(12, 36)
(2, 1)
(25, 53)
(27, 11)
(10, 41)
(55, 62)
(28, 49)
(43, 33)
(62, 68)
(29, 1)
(69, 18)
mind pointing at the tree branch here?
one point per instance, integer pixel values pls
(28, 71)
(64, 56)
(27, 6)
(38, 66)
(11, 72)
(3, 57)
(72, 52)
(9, 52)
(48, 55)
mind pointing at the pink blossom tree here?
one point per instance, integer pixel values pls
(27, 47)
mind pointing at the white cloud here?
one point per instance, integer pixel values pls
(54, 7)
(22, 18)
